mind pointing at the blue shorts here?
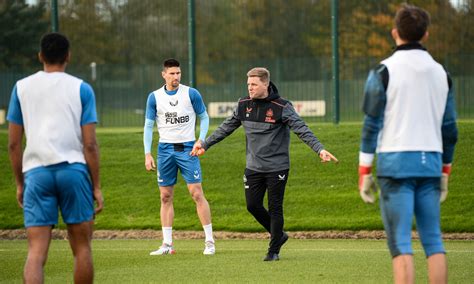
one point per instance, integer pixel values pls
(63, 185)
(172, 157)
(400, 200)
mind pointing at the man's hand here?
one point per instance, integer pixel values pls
(327, 157)
(149, 162)
(99, 199)
(197, 150)
(19, 195)
(367, 187)
(444, 182)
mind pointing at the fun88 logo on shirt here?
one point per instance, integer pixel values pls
(172, 118)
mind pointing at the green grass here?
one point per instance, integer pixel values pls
(318, 196)
(302, 261)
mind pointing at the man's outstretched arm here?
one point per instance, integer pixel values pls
(299, 127)
(225, 129)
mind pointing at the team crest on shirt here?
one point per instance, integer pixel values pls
(174, 103)
(269, 116)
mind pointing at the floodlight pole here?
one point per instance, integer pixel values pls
(54, 16)
(192, 43)
(335, 58)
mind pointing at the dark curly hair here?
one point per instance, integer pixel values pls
(54, 48)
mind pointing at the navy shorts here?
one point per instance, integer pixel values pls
(172, 157)
(64, 186)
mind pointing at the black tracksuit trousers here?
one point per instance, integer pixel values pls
(256, 184)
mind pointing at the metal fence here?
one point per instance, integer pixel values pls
(127, 40)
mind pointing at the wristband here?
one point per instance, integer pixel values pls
(364, 170)
(447, 170)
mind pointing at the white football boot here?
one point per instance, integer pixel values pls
(164, 249)
(209, 248)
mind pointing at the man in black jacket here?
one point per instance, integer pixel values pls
(267, 119)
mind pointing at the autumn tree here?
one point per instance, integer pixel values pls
(21, 27)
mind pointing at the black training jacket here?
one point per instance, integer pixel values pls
(267, 123)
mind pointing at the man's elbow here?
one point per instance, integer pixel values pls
(14, 147)
(91, 147)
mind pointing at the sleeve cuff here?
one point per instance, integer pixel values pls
(366, 159)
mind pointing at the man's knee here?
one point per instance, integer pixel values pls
(197, 193)
(275, 210)
(166, 197)
(38, 243)
(80, 237)
(38, 258)
(254, 207)
(198, 197)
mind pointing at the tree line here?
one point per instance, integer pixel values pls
(144, 32)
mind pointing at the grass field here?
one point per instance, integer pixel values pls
(237, 261)
(318, 196)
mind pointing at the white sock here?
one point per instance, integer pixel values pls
(208, 232)
(167, 235)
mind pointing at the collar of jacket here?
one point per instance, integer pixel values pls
(409, 46)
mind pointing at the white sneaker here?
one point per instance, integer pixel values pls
(164, 249)
(209, 248)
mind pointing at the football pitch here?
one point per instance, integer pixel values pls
(302, 261)
(318, 196)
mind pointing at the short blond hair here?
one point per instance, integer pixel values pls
(261, 73)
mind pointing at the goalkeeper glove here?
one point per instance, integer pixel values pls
(444, 182)
(367, 187)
